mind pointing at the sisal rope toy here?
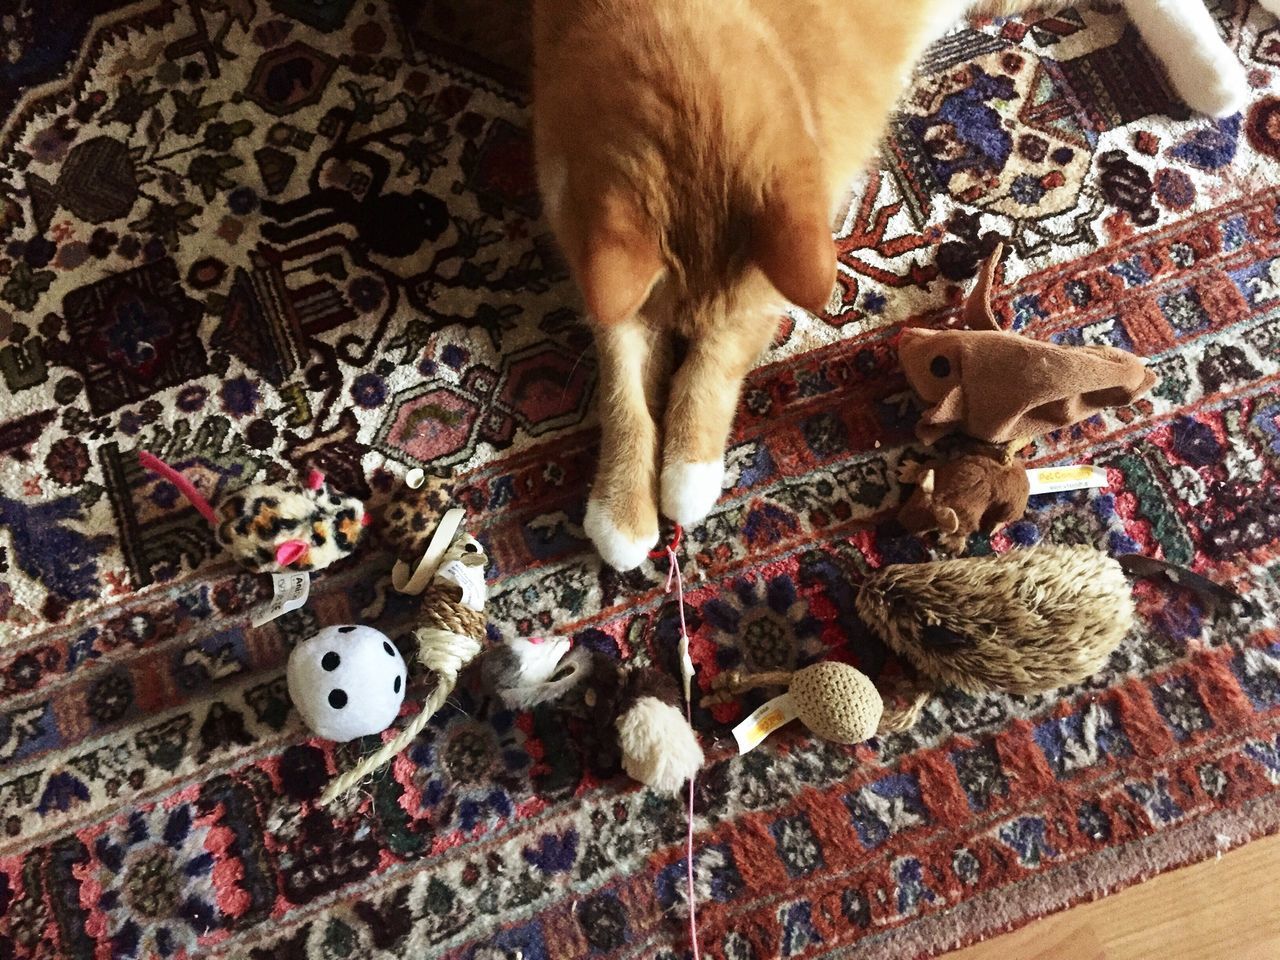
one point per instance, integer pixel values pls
(451, 632)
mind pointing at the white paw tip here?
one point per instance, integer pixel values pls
(616, 548)
(690, 490)
(1222, 102)
(1222, 93)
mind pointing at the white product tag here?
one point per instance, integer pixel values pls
(686, 668)
(767, 718)
(290, 592)
(469, 579)
(1058, 479)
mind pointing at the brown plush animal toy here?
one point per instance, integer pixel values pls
(971, 493)
(998, 386)
(1027, 621)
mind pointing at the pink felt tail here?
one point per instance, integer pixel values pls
(153, 463)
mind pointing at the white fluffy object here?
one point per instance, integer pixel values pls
(659, 749)
(690, 490)
(347, 682)
(616, 548)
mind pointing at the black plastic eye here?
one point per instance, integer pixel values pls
(471, 548)
(940, 367)
(387, 647)
(330, 661)
(396, 687)
(337, 699)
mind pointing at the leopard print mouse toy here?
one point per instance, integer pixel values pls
(270, 528)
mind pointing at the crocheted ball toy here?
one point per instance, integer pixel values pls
(837, 702)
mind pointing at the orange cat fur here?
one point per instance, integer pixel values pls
(691, 154)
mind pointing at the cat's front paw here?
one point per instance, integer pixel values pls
(690, 490)
(622, 546)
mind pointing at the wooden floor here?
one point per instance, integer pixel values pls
(1225, 909)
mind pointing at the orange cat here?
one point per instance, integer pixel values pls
(690, 154)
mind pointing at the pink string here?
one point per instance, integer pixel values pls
(673, 575)
(153, 463)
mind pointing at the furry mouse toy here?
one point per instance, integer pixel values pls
(635, 708)
(1026, 621)
(972, 493)
(269, 528)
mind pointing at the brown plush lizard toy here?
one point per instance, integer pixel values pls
(998, 387)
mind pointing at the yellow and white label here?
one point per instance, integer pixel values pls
(1058, 479)
(767, 718)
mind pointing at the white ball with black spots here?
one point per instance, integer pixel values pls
(347, 682)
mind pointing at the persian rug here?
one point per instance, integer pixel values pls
(261, 236)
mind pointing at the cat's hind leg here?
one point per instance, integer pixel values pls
(622, 513)
(1203, 69)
